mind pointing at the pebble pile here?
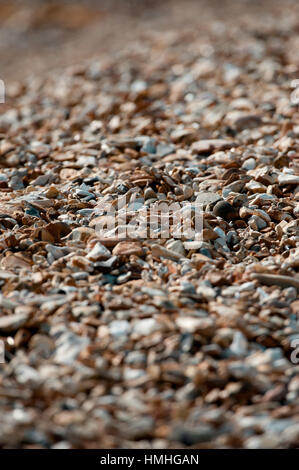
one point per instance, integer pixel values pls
(156, 343)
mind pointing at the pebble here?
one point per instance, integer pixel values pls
(116, 338)
(211, 145)
(205, 326)
(119, 328)
(16, 183)
(68, 347)
(146, 326)
(160, 251)
(288, 179)
(12, 323)
(149, 146)
(162, 150)
(273, 279)
(224, 210)
(249, 164)
(176, 246)
(191, 437)
(127, 248)
(205, 198)
(99, 252)
(85, 310)
(56, 251)
(149, 194)
(239, 344)
(257, 223)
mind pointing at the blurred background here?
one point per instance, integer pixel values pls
(39, 35)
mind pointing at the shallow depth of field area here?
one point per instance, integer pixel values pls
(110, 339)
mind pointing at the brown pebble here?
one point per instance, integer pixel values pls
(225, 210)
(276, 280)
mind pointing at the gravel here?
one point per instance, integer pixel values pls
(117, 340)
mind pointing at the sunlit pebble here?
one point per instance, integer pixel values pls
(189, 97)
(135, 306)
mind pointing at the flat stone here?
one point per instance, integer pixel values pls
(119, 328)
(275, 279)
(11, 323)
(285, 178)
(205, 326)
(145, 326)
(204, 198)
(127, 249)
(159, 251)
(211, 145)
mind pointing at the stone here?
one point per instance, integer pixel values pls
(211, 145)
(176, 246)
(99, 253)
(127, 249)
(205, 326)
(277, 280)
(159, 251)
(191, 437)
(114, 332)
(68, 347)
(239, 344)
(249, 164)
(225, 210)
(119, 328)
(285, 178)
(204, 198)
(10, 323)
(146, 326)
(16, 183)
